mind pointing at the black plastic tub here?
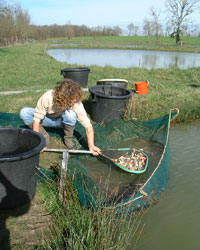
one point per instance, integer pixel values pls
(19, 156)
(107, 102)
(121, 83)
(79, 75)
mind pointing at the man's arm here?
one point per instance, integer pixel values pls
(36, 126)
(90, 138)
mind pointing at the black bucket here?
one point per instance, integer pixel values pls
(19, 156)
(107, 102)
(79, 75)
(121, 83)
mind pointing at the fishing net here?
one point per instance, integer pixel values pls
(100, 183)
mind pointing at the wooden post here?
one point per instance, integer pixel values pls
(63, 175)
(63, 171)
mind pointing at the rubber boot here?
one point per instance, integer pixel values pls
(68, 135)
(43, 132)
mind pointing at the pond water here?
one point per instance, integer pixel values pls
(174, 223)
(126, 58)
(115, 184)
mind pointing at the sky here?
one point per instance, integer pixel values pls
(93, 13)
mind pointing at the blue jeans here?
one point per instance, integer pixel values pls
(68, 117)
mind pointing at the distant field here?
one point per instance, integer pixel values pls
(189, 44)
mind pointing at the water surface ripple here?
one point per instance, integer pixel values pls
(126, 58)
(174, 223)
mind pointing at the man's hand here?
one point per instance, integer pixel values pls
(36, 128)
(95, 150)
(90, 138)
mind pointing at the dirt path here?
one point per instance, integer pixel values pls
(24, 227)
(11, 92)
(17, 92)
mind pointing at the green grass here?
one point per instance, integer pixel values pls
(128, 39)
(76, 227)
(189, 44)
(28, 67)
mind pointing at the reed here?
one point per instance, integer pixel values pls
(76, 227)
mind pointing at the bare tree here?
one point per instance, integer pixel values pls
(155, 22)
(136, 30)
(22, 22)
(168, 30)
(147, 28)
(117, 31)
(2, 6)
(14, 23)
(133, 29)
(6, 24)
(69, 30)
(179, 11)
(130, 28)
(194, 30)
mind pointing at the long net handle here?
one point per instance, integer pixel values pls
(73, 151)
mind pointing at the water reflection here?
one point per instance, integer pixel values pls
(126, 58)
(174, 222)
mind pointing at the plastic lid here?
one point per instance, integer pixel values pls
(113, 80)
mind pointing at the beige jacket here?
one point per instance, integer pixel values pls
(45, 106)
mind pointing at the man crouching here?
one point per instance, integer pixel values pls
(60, 107)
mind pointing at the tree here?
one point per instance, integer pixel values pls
(117, 31)
(2, 6)
(133, 30)
(14, 23)
(22, 23)
(147, 28)
(179, 11)
(155, 23)
(136, 30)
(69, 30)
(6, 24)
(130, 28)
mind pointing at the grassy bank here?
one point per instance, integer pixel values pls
(188, 44)
(75, 227)
(28, 67)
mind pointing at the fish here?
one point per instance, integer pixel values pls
(132, 160)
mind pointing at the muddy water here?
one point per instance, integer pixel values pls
(174, 223)
(115, 183)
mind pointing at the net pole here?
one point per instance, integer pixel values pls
(63, 175)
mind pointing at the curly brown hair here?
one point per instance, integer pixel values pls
(65, 93)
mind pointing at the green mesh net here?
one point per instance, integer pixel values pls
(100, 183)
